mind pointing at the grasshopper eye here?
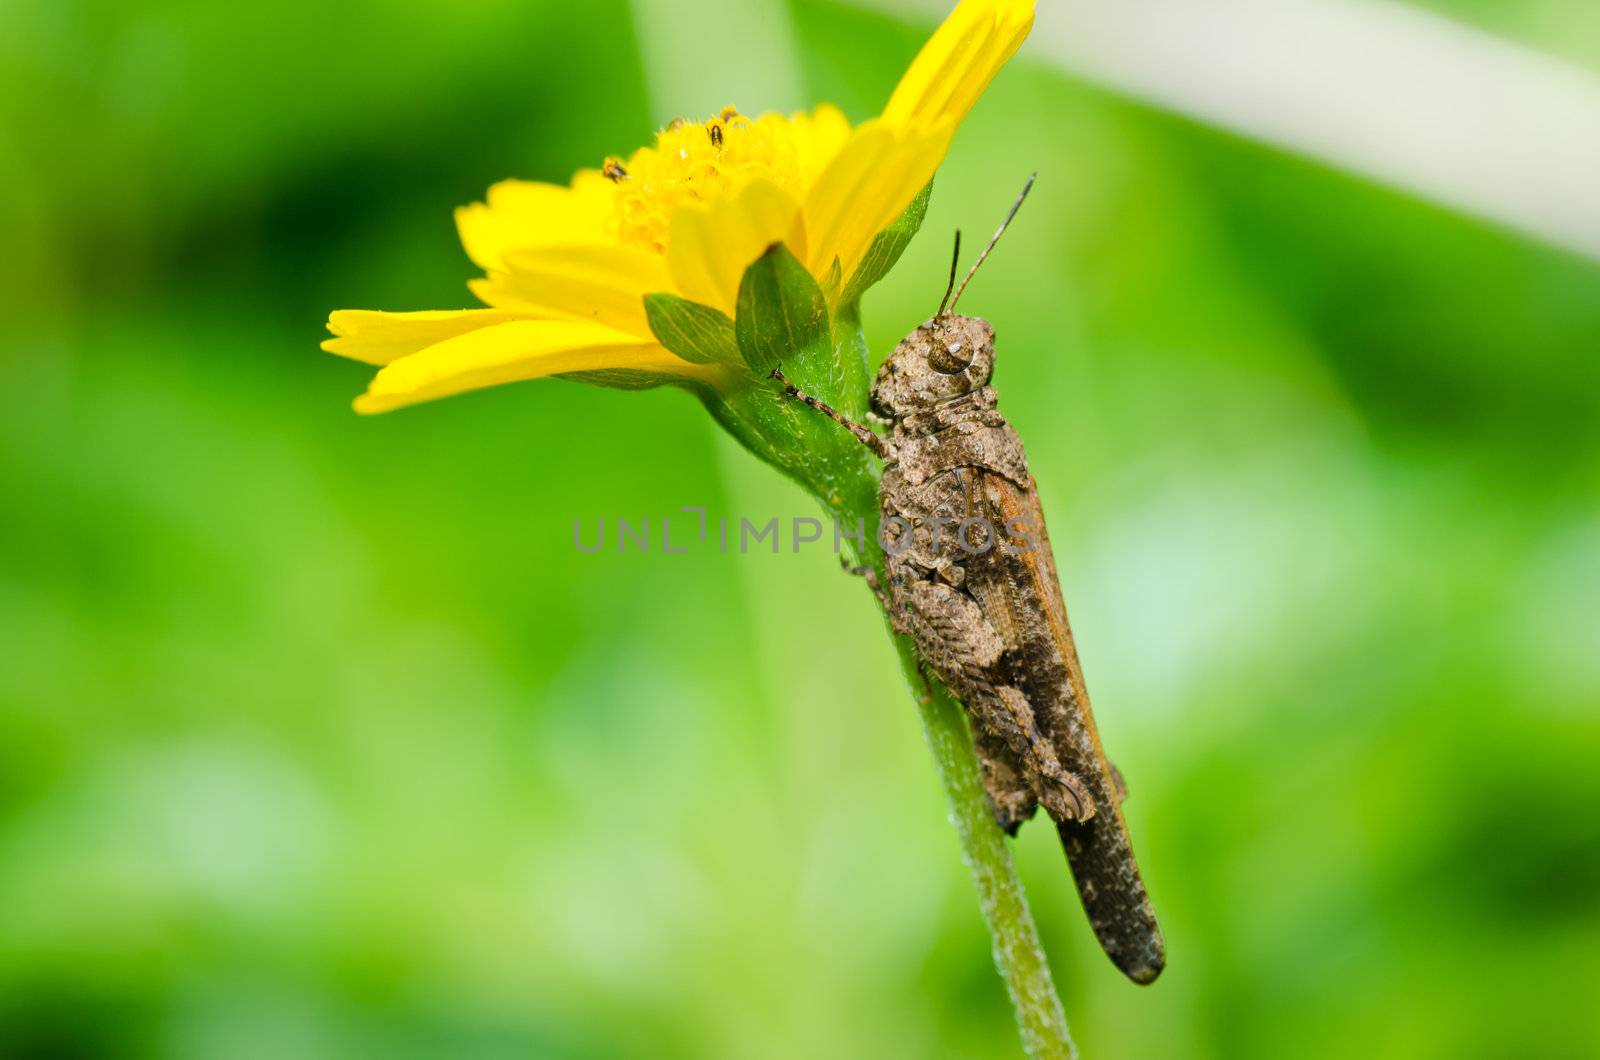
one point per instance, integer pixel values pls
(949, 359)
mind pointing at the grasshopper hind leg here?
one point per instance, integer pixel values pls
(960, 645)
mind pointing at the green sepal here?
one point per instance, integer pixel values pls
(623, 378)
(783, 320)
(697, 333)
(887, 246)
(832, 282)
(780, 311)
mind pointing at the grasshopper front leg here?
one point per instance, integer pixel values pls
(863, 434)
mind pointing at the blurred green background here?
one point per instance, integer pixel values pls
(318, 739)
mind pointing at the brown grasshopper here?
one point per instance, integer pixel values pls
(972, 580)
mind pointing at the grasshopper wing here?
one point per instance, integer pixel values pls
(1016, 585)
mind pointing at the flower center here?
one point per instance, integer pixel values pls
(697, 162)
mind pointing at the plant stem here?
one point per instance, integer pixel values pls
(1017, 952)
(846, 485)
(1018, 955)
(676, 53)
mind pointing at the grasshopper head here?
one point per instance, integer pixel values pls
(946, 358)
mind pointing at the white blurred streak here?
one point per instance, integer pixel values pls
(1450, 113)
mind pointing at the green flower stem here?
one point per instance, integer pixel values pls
(1017, 952)
(843, 476)
(1018, 955)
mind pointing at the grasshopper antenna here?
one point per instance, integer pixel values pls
(955, 260)
(995, 239)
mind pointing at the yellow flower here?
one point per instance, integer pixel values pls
(567, 268)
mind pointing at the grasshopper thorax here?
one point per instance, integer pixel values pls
(949, 357)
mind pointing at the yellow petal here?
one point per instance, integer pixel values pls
(522, 214)
(866, 186)
(378, 338)
(817, 137)
(958, 62)
(509, 352)
(711, 244)
(604, 284)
